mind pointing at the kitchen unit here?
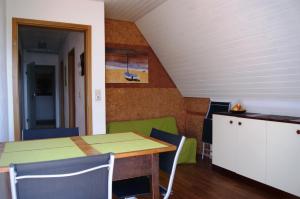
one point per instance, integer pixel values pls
(264, 148)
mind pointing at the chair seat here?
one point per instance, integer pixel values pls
(167, 163)
(134, 187)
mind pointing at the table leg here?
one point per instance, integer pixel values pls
(5, 186)
(155, 176)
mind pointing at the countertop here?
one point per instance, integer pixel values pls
(258, 116)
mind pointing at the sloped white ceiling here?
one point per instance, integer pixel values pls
(129, 10)
(228, 48)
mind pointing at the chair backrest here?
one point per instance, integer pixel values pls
(216, 107)
(76, 178)
(33, 134)
(168, 160)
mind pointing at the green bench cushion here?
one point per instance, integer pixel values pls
(144, 127)
(188, 152)
(168, 124)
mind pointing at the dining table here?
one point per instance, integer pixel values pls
(135, 155)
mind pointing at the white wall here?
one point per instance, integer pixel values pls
(42, 59)
(3, 86)
(240, 50)
(75, 40)
(87, 12)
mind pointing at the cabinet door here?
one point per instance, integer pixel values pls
(283, 156)
(252, 149)
(224, 141)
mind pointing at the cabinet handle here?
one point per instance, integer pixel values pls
(240, 123)
(298, 132)
(231, 122)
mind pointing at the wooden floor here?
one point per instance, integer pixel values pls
(202, 181)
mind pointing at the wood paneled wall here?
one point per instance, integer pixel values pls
(160, 97)
(123, 33)
(144, 103)
(196, 109)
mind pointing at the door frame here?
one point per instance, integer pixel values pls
(87, 30)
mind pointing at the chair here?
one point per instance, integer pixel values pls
(33, 134)
(76, 178)
(214, 107)
(167, 163)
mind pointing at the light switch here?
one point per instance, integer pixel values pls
(98, 95)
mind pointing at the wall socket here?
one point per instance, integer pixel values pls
(98, 95)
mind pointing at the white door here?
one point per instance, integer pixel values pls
(224, 141)
(252, 149)
(283, 156)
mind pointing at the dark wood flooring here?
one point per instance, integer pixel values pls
(203, 181)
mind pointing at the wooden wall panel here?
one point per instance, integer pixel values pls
(123, 33)
(196, 109)
(159, 97)
(144, 103)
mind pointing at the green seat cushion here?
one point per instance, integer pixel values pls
(168, 124)
(144, 127)
(188, 152)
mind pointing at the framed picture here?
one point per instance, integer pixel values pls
(126, 65)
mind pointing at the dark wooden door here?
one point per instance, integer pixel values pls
(62, 93)
(71, 87)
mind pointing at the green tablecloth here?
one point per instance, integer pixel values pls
(63, 148)
(38, 144)
(127, 146)
(40, 155)
(111, 138)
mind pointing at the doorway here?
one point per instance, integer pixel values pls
(47, 102)
(40, 96)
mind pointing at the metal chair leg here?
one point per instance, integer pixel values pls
(203, 149)
(210, 151)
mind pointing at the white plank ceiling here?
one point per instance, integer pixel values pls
(228, 48)
(129, 10)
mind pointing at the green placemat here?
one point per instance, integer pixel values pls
(128, 146)
(40, 155)
(110, 138)
(38, 144)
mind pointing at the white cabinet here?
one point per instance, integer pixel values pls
(224, 142)
(251, 149)
(283, 156)
(265, 151)
(237, 142)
